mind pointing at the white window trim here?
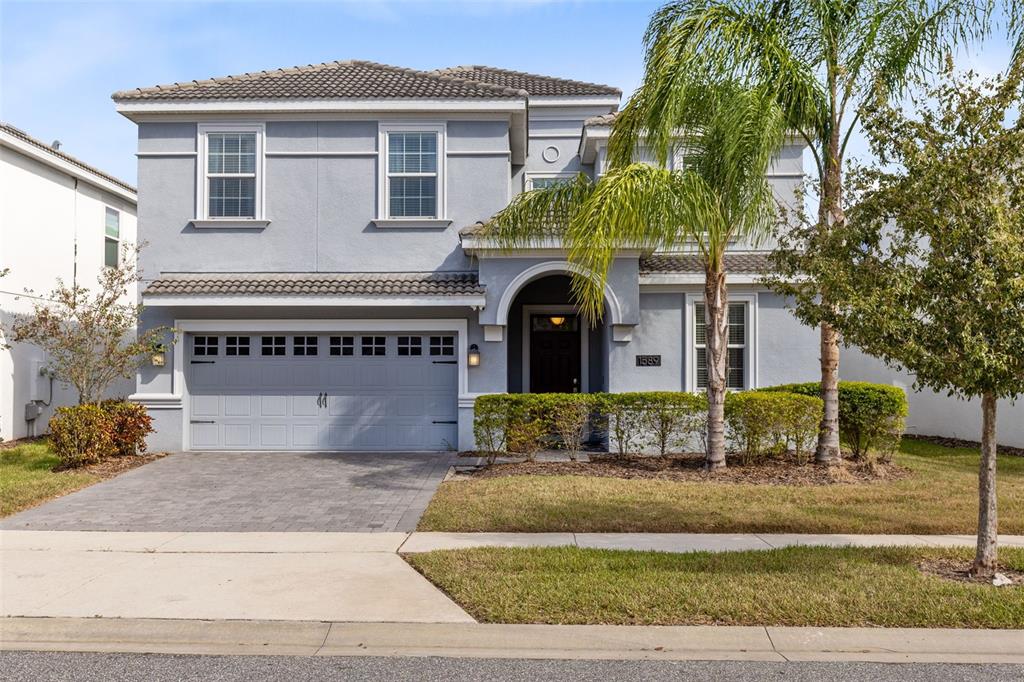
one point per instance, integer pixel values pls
(116, 240)
(384, 218)
(202, 218)
(530, 177)
(750, 357)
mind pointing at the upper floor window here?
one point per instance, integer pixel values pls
(230, 186)
(543, 181)
(413, 181)
(112, 238)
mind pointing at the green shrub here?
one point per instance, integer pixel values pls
(81, 434)
(763, 424)
(569, 416)
(518, 423)
(489, 424)
(871, 416)
(625, 414)
(130, 424)
(671, 419)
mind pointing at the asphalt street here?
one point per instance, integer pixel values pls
(43, 667)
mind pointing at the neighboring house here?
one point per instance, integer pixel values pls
(312, 236)
(60, 219)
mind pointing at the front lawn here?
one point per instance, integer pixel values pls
(27, 479)
(813, 586)
(940, 496)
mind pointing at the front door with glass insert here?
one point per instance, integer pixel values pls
(555, 353)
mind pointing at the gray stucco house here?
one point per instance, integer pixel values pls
(312, 235)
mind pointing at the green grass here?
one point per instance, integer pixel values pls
(813, 586)
(27, 479)
(939, 497)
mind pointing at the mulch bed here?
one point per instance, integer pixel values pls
(960, 443)
(690, 467)
(954, 569)
(109, 468)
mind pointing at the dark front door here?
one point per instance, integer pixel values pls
(554, 353)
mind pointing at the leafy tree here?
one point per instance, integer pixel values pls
(721, 194)
(821, 59)
(88, 337)
(927, 273)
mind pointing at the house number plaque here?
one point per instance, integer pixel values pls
(648, 361)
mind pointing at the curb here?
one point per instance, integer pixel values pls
(468, 640)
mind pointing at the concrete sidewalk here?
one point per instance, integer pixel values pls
(512, 641)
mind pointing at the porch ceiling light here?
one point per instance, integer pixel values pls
(473, 357)
(557, 320)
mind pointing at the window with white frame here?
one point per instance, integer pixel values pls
(112, 238)
(231, 164)
(236, 345)
(736, 351)
(342, 345)
(410, 345)
(442, 345)
(203, 346)
(543, 181)
(373, 345)
(273, 345)
(304, 345)
(413, 180)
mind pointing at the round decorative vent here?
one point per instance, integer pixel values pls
(550, 154)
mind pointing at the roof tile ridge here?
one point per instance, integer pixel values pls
(515, 72)
(453, 79)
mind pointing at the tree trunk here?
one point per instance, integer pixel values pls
(828, 433)
(830, 216)
(716, 340)
(985, 557)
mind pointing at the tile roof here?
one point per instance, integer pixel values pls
(25, 137)
(753, 262)
(534, 84)
(352, 79)
(318, 284)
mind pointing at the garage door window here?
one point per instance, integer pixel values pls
(203, 346)
(273, 345)
(442, 345)
(410, 345)
(342, 345)
(373, 345)
(236, 345)
(304, 345)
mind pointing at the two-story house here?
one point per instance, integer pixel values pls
(60, 218)
(311, 235)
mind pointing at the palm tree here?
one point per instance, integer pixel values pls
(822, 59)
(720, 194)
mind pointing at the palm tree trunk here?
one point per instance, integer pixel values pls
(986, 554)
(716, 305)
(830, 214)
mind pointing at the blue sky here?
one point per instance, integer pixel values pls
(59, 62)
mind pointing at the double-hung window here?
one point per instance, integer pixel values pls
(230, 187)
(736, 351)
(413, 182)
(112, 238)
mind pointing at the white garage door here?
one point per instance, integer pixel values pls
(322, 391)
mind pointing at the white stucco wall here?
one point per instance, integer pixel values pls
(935, 414)
(42, 219)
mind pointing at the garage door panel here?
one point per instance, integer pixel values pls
(273, 405)
(238, 436)
(373, 402)
(305, 405)
(273, 436)
(238, 406)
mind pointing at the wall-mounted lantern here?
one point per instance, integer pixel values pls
(473, 358)
(158, 355)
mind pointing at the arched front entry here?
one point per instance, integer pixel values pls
(551, 347)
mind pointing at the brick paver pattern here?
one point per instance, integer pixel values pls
(255, 491)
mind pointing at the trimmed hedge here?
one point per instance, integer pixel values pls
(871, 416)
(771, 424)
(86, 434)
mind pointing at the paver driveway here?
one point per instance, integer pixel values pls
(258, 491)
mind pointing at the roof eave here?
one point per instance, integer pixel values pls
(132, 108)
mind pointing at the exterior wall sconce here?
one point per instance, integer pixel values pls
(557, 320)
(158, 355)
(473, 357)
